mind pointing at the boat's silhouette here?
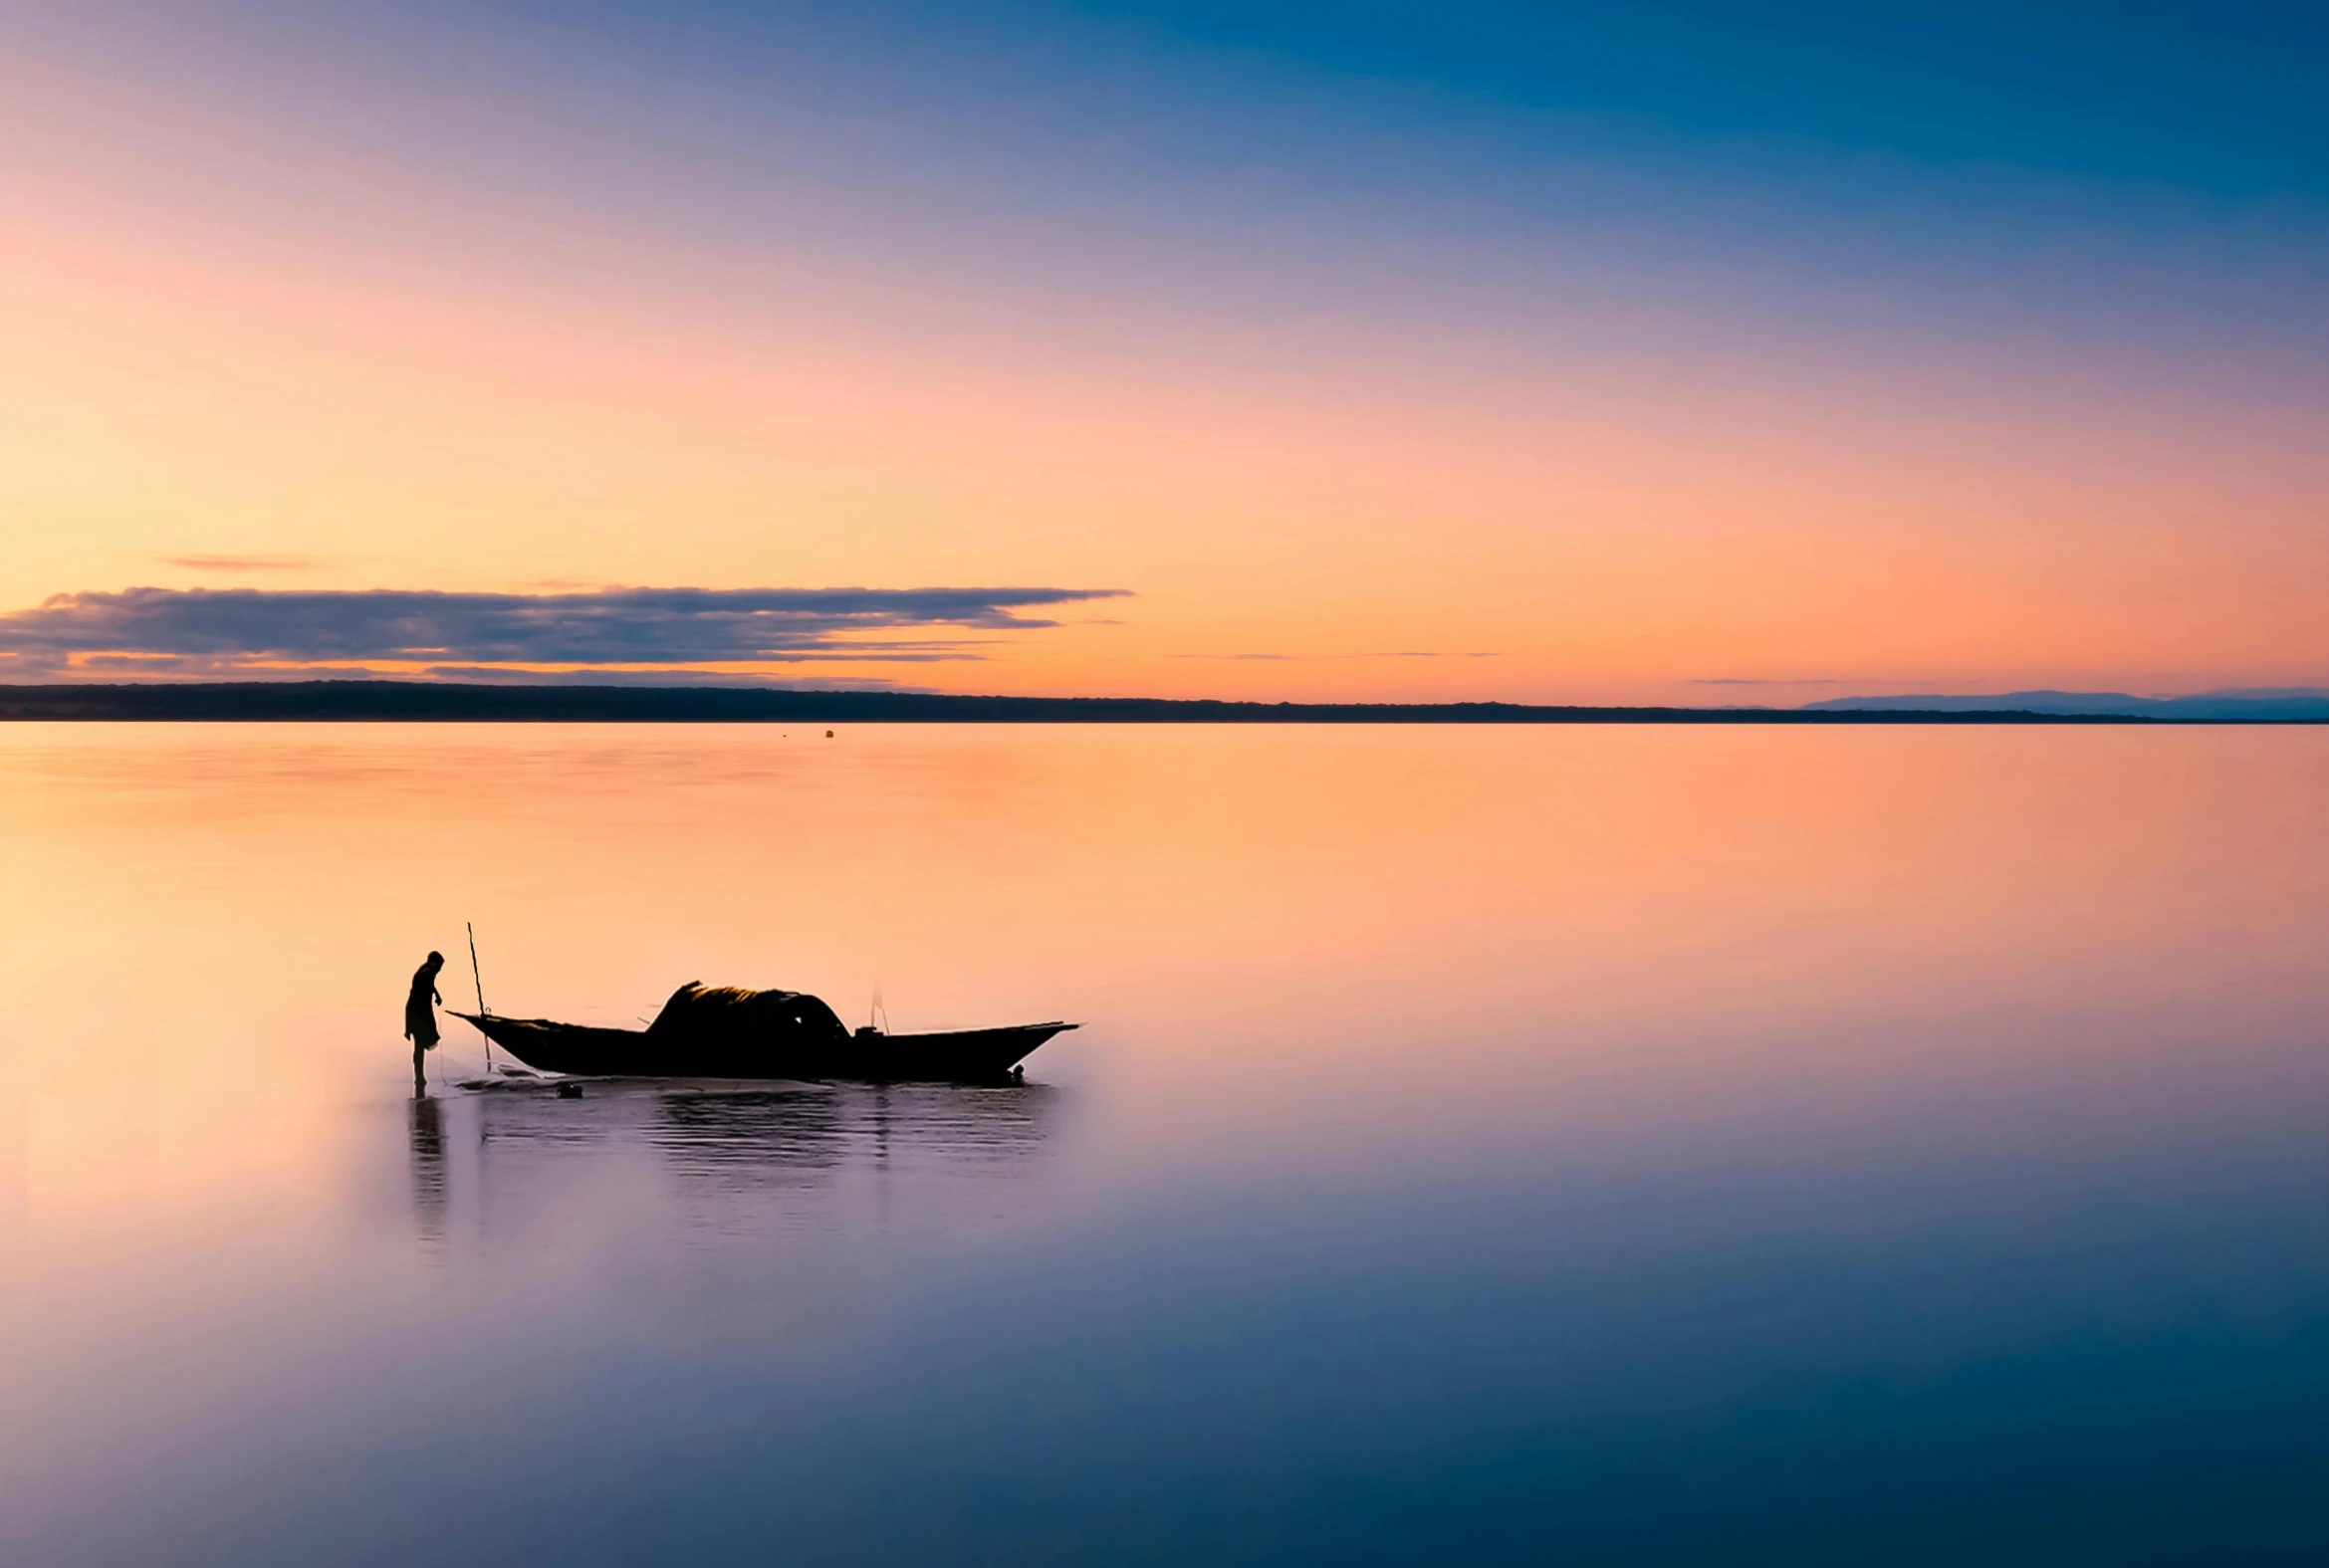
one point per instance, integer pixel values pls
(726, 1032)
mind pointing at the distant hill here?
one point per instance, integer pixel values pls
(2268, 705)
(448, 702)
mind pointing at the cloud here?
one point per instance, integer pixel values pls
(242, 564)
(505, 675)
(231, 631)
(1308, 657)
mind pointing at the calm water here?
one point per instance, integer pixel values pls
(1594, 1145)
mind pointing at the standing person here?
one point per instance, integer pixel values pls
(420, 1017)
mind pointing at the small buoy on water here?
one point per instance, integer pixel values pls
(829, 734)
(570, 1091)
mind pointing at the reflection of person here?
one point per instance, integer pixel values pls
(428, 1170)
(420, 1017)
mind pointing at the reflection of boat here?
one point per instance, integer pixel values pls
(771, 1159)
(724, 1032)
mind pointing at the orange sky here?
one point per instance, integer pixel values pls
(227, 329)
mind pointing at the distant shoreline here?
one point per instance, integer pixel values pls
(444, 703)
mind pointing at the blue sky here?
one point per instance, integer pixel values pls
(2228, 100)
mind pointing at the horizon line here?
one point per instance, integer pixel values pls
(378, 699)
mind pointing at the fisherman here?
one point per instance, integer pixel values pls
(420, 1017)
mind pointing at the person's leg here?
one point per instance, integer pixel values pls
(420, 1072)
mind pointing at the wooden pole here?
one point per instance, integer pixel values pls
(479, 982)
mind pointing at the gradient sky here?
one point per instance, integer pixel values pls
(1390, 350)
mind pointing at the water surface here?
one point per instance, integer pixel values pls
(1592, 1144)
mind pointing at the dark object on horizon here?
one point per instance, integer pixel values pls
(728, 1032)
(449, 703)
(420, 1019)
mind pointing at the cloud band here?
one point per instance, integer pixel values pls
(221, 631)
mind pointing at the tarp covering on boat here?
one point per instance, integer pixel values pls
(732, 1016)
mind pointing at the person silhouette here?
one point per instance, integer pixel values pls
(420, 1017)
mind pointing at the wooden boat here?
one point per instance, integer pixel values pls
(728, 1033)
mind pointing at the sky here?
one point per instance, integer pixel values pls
(1658, 352)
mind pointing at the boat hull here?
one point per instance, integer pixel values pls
(957, 1056)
